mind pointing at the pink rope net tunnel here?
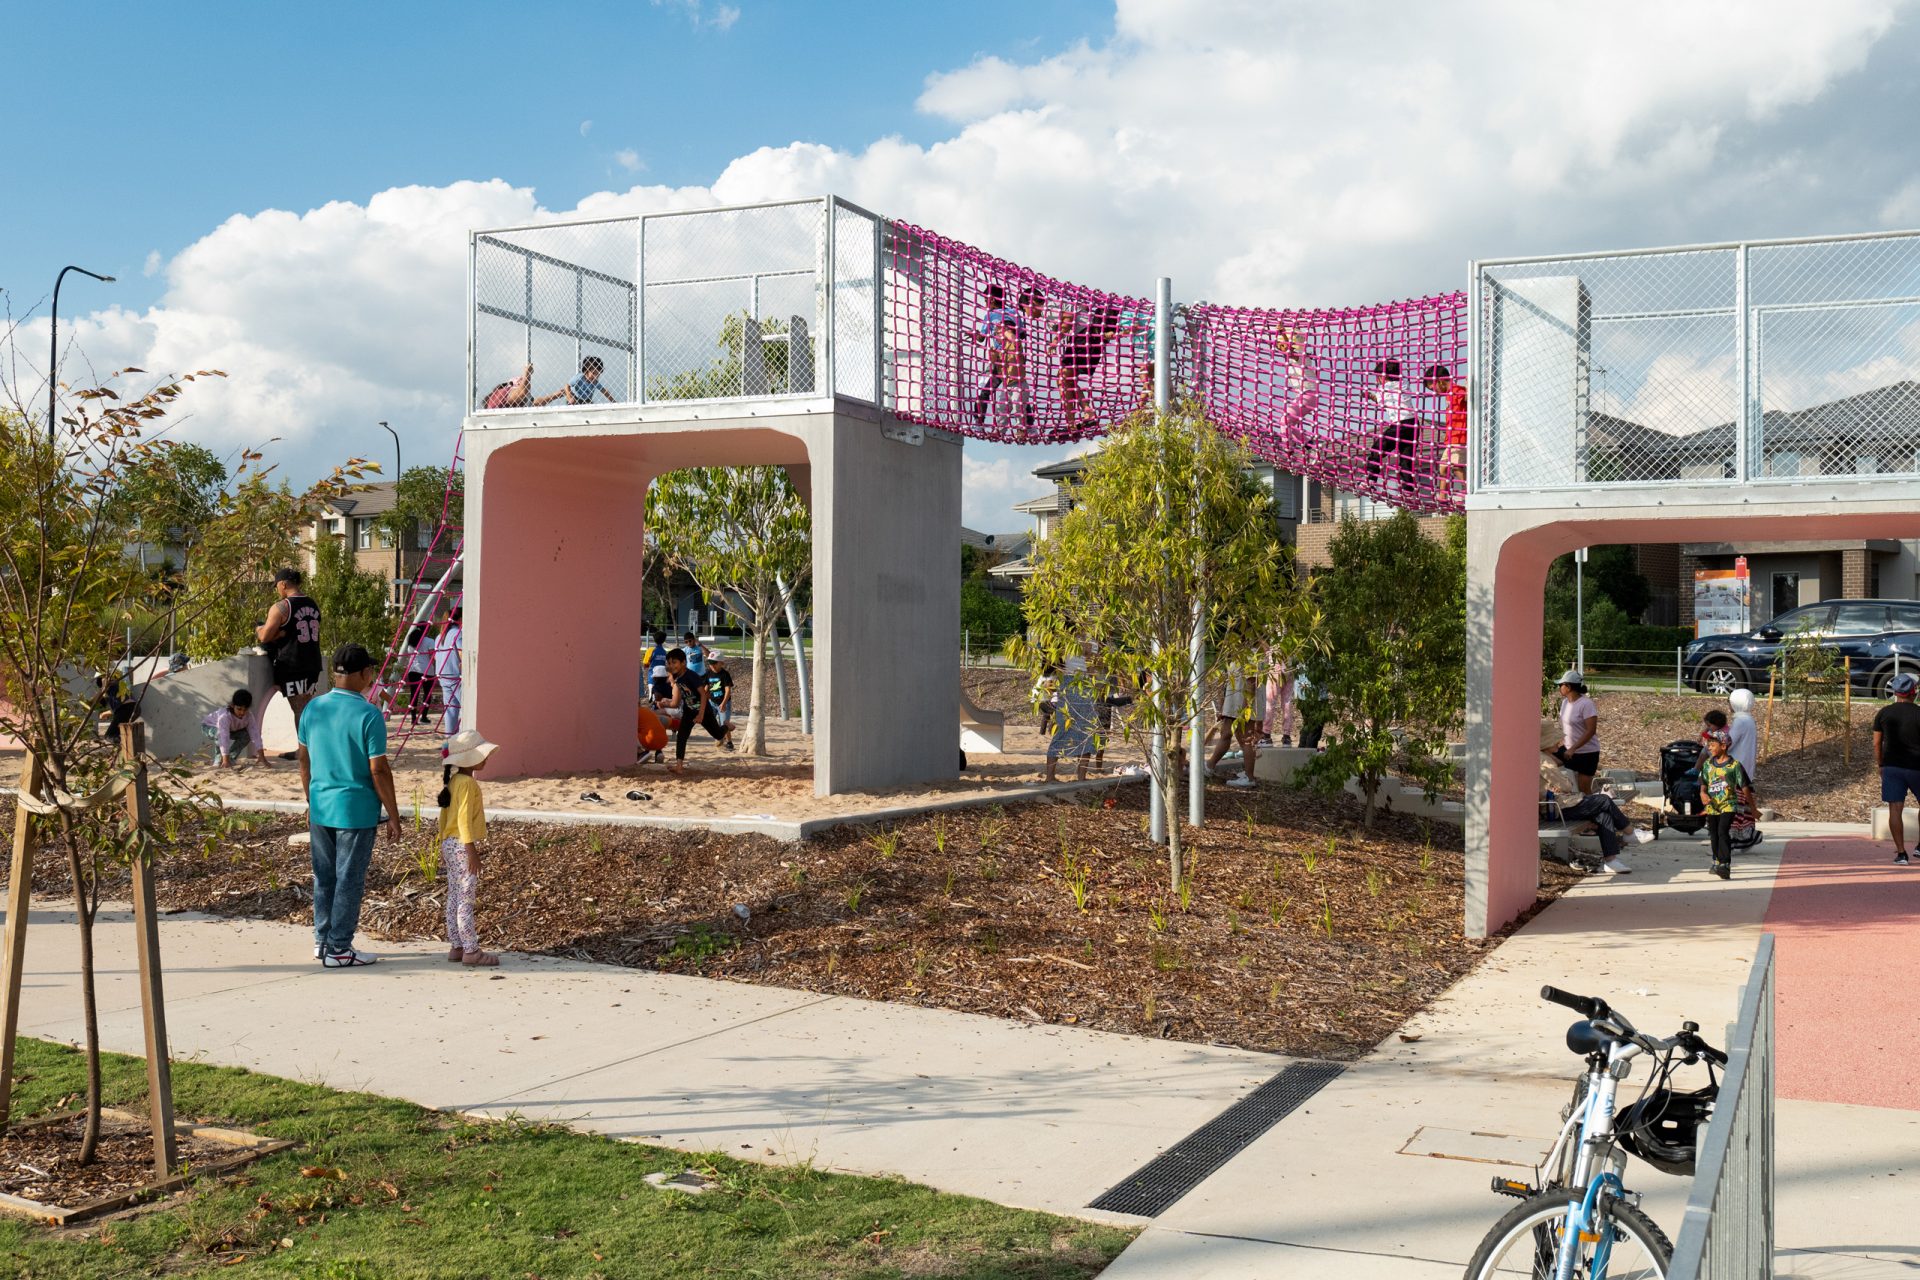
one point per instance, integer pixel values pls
(1370, 400)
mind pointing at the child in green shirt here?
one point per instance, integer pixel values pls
(1724, 787)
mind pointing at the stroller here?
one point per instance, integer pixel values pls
(1680, 789)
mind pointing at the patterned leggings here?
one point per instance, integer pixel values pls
(462, 886)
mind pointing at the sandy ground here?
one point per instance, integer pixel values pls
(715, 784)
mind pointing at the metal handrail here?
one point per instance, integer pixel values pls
(1728, 1228)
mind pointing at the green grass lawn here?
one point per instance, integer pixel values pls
(420, 1193)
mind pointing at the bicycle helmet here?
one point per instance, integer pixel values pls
(1663, 1127)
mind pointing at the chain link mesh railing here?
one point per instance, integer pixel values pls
(553, 315)
(703, 304)
(1835, 334)
(1748, 362)
(733, 302)
(856, 304)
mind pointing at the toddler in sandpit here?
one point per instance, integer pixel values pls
(463, 825)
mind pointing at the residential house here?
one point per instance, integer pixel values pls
(1048, 508)
(1875, 431)
(397, 560)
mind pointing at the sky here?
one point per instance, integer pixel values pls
(284, 192)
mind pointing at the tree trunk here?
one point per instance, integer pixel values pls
(763, 619)
(1370, 786)
(1175, 871)
(83, 915)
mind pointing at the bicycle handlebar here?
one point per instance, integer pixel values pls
(1598, 1010)
(1585, 1006)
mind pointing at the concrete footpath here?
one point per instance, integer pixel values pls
(1385, 1172)
(1036, 1116)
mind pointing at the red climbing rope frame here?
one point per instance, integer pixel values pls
(986, 348)
(1370, 400)
(419, 685)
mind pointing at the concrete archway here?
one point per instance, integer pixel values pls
(1510, 544)
(554, 528)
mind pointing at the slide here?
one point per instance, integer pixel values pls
(980, 730)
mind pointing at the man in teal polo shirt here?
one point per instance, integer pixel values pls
(346, 777)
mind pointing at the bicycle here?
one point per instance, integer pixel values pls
(1581, 1222)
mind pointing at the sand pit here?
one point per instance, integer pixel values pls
(715, 784)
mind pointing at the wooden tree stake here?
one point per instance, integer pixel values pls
(1766, 745)
(146, 945)
(19, 891)
(1846, 731)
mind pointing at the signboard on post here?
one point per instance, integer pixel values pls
(1722, 600)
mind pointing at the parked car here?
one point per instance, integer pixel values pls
(1879, 636)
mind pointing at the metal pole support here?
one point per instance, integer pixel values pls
(1162, 400)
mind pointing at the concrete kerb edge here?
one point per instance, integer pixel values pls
(791, 832)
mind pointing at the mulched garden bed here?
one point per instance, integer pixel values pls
(39, 1161)
(1301, 932)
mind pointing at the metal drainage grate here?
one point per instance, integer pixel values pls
(1153, 1188)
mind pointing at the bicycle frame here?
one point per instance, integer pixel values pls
(1594, 1119)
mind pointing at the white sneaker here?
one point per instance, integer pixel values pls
(1241, 780)
(1618, 867)
(1643, 835)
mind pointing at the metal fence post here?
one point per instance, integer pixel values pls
(1679, 668)
(1742, 372)
(830, 268)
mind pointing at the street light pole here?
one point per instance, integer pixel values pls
(396, 449)
(53, 343)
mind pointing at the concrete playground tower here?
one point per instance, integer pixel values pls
(732, 337)
(1739, 392)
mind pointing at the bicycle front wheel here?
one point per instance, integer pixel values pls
(1523, 1243)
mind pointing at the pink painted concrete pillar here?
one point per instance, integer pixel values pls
(553, 609)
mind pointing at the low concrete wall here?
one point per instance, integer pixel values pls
(174, 705)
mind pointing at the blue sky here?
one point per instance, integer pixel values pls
(285, 191)
(201, 111)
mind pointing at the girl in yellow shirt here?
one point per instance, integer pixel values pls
(463, 825)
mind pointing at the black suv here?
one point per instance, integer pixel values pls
(1875, 634)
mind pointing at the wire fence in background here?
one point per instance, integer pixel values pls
(1748, 363)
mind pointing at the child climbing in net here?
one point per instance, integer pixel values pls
(1003, 330)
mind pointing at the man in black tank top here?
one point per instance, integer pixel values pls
(291, 637)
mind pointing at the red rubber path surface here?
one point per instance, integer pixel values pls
(1846, 924)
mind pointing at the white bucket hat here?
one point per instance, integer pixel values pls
(466, 749)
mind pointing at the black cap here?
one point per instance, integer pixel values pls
(350, 659)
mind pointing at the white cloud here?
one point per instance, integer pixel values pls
(586, 127)
(1902, 208)
(629, 159)
(1268, 152)
(153, 263)
(992, 479)
(720, 17)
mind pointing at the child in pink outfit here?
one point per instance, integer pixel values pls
(1279, 703)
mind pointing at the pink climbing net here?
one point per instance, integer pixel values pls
(1369, 400)
(989, 349)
